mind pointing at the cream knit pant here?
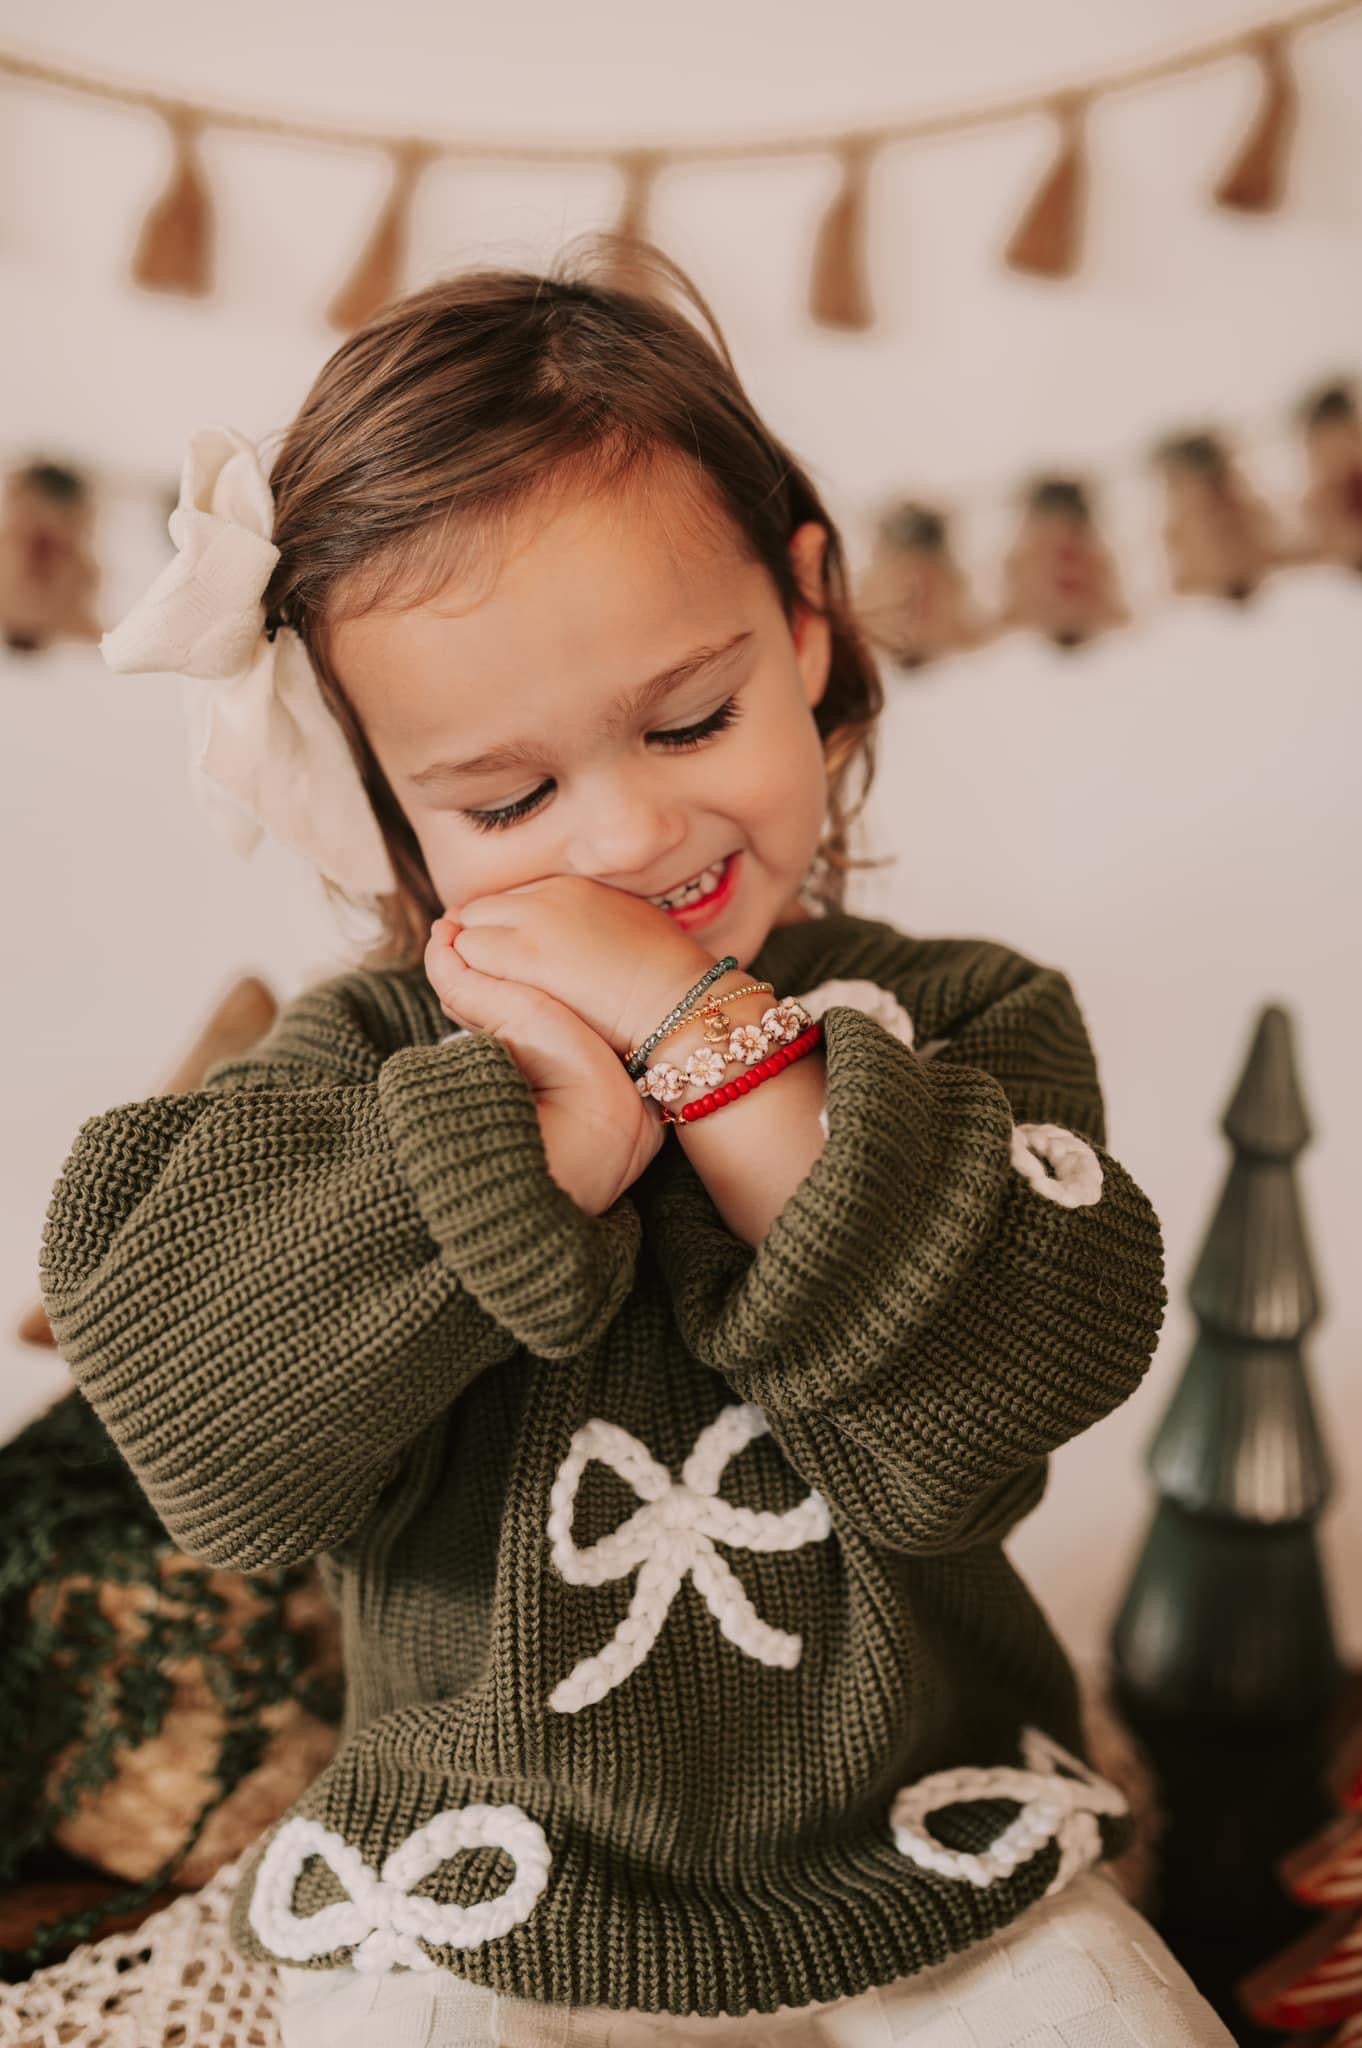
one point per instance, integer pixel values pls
(1080, 1970)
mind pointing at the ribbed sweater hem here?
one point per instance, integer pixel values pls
(827, 1924)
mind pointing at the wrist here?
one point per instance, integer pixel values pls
(728, 1034)
(661, 985)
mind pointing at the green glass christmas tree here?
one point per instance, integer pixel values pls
(1225, 1663)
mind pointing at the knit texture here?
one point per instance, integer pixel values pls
(685, 1668)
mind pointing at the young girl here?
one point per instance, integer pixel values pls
(660, 1466)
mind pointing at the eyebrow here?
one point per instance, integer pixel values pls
(635, 704)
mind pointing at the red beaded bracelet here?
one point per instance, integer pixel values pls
(764, 1070)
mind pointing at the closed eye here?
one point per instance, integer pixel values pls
(676, 738)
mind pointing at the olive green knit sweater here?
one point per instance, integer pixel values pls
(685, 1670)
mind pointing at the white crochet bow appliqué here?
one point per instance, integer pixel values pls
(380, 1918)
(1075, 1179)
(671, 1536)
(1060, 1799)
(880, 1003)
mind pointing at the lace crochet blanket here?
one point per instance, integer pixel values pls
(174, 1982)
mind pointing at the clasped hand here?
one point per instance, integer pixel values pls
(570, 974)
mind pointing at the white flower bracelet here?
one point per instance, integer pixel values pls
(746, 1044)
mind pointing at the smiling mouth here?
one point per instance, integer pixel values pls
(697, 889)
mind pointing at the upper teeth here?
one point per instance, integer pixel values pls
(692, 891)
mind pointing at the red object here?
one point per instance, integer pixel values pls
(691, 916)
(1327, 1870)
(1315, 1983)
(765, 1070)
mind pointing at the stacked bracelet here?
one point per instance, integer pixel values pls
(775, 1063)
(746, 1043)
(710, 1015)
(633, 1061)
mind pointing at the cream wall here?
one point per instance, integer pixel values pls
(1173, 817)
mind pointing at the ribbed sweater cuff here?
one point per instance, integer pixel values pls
(466, 1134)
(918, 1288)
(871, 1243)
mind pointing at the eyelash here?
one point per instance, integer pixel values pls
(680, 739)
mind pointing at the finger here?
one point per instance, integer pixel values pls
(486, 909)
(537, 886)
(468, 993)
(441, 962)
(546, 1041)
(480, 1002)
(495, 949)
(506, 906)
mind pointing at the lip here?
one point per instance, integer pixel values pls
(691, 915)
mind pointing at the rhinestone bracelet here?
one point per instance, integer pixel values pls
(747, 1043)
(633, 1061)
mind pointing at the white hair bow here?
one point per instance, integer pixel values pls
(266, 752)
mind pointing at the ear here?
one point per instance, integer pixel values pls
(811, 633)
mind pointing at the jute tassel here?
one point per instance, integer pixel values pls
(839, 289)
(175, 248)
(1256, 181)
(377, 277)
(1048, 238)
(639, 168)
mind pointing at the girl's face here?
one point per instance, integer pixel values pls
(626, 702)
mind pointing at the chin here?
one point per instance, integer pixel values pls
(744, 944)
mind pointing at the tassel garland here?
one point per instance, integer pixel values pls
(174, 249)
(377, 277)
(1048, 238)
(1256, 181)
(839, 294)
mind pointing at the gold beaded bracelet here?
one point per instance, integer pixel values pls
(716, 1024)
(688, 1017)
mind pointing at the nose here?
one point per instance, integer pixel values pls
(625, 830)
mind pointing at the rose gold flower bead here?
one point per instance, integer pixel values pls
(664, 1082)
(747, 1042)
(705, 1067)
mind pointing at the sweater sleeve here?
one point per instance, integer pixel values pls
(948, 1296)
(267, 1288)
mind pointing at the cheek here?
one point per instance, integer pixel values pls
(784, 777)
(463, 864)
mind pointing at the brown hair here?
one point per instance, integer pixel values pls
(454, 407)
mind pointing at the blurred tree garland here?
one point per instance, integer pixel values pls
(70, 1508)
